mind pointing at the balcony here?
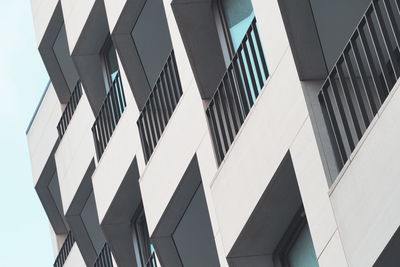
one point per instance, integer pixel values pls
(237, 92)
(104, 259)
(108, 116)
(69, 110)
(64, 251)
(362, 78)
(159, 107)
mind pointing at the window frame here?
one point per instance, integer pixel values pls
(139, 238)
(107, 46)
(227, 35)
(289, 238)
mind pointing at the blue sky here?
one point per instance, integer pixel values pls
(24, 229)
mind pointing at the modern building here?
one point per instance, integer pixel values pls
(207, 133)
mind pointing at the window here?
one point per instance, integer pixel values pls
(143, 247)
(110, 62)
(237, 16)
(298, 249)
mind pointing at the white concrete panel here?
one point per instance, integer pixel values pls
(333, 255)
(113, 9)
(76, 14)
(208, 167)
(42, 11)
(313, 187)
(75, 151)
(366, 200)
(258, 149)
(272, 31)
(74, 258)
(43, 134)
(172, 155)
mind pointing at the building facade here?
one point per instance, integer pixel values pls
(206, 133)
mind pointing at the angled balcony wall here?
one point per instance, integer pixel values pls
(43, 143)
(142, 54)
(118, 198)
(87, 31)
(42, 12)
(270, 130)
(54, 50)
(75, 151)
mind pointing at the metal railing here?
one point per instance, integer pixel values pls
(152, 261)
(237, 92)
(69, 110)
(159, 106)
(108, 116)
(64, 251)
(104, 259)
(362, 77)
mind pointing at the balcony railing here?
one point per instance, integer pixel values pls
(69, 110)
(152, 261)
(159, 106)
(104, 259)
(362, 78)
(64, 251)
(237, 92)
(109, 115)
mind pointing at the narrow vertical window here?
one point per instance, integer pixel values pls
(237, 16)
(302, 253)
(144, 248)
(110, 62)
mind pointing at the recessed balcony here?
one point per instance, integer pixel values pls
(237, 92)
(159, 107)
(362, 78)
(108, 116)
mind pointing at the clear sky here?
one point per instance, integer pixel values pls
(24, 228)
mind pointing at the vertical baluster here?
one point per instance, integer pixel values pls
(356, 90)
(348, 100)
(220, 121)
(324, 98)
(236, 95)
(215, 135)
(369, 60)
(386, 41)
(339, 105)
(250, 70)
(260, 50)
(377, 49)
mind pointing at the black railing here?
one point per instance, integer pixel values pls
(108, 116)
(159, 106)
(362, 78)
(64, 251)
(237, 92)
(104, 259)
(69, 110)
(152, 261)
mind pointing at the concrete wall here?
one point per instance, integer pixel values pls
(42, 11)
(42, 134)
(365, 197)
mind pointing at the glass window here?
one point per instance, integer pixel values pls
(238, 17)
(145, 248)
(302, 253)
(110, 61)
